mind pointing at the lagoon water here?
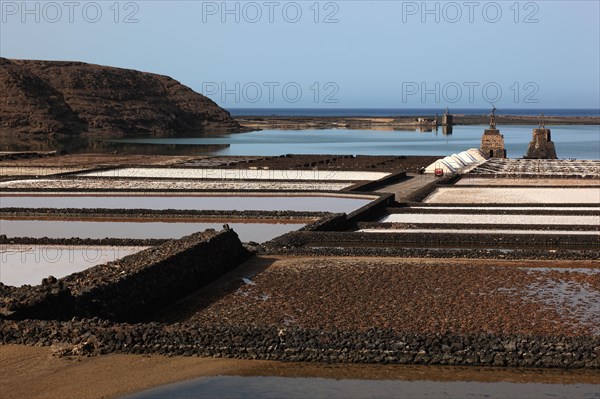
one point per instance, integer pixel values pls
(581, 142)
(286, 388)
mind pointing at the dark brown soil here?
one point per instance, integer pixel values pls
(286, 162)
(429, 296)
(341, 162)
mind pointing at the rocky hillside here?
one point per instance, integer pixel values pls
(76, 98)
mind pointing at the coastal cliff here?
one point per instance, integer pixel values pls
(46, 97)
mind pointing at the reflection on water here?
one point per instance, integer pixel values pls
(78, 145)
(258, 232)
(580, 142)
(282, 387)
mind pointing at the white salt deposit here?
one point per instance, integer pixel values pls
(515, 208)
(514, 195)
(473, 180)
(480, 231)
(239, 174)
(491, 219)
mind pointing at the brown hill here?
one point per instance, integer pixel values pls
(75, 97)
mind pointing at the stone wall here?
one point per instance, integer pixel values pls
(489, 240)
(88, 337)
(133, 286)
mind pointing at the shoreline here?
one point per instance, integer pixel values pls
(269, 122)
(35, 373)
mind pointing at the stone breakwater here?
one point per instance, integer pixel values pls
(75, 241)
(430, 253)
(96, 336)
(160, 213)
(133, 286)
(299, 239)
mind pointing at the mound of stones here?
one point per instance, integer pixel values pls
(132, 286)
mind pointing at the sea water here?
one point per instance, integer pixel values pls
(581, 142)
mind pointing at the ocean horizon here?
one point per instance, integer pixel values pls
(384, 112)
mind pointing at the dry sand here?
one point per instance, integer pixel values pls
(32, 372)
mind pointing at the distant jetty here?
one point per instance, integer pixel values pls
(398, 122)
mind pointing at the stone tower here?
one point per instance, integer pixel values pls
(541, 145)
(492, 142)
(447, 118)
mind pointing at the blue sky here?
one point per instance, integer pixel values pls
(338, 54)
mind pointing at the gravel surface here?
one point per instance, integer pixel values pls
(429, 296)
(510, 195)
(539, 167)
(35, 171)
(132, 184)
(342, 162)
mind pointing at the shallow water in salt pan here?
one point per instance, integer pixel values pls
(224, 203)
(29, 264)
(259, 232)
(573, 299)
